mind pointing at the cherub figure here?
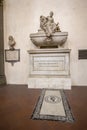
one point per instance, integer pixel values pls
(48, 25)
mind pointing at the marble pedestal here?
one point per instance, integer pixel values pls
(49, 68)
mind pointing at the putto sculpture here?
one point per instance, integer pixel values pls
(48, 25)
(49, 35)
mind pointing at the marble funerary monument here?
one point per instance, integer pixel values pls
(49, 64)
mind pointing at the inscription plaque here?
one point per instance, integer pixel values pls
(82, 54)
(49, 68)
(49, 64)
(12, 55)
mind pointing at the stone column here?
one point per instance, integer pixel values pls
(2, 74)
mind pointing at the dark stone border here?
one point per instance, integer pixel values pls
(2, 70)
(68, 118)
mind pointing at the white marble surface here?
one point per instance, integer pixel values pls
(49, 64)
(49, 68)
(12, 55)
(52, 108)
(40, 39)
(54, 83)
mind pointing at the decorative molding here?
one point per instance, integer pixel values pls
(46, 63)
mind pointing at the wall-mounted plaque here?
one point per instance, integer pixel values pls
(82, 54)
(12, 55)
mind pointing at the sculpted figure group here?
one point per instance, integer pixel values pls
(48, 25)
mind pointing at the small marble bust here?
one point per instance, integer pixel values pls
(11, 42)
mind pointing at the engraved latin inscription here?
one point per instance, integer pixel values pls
(48, 63)
(12, 55)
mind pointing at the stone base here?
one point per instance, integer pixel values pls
(49, 83)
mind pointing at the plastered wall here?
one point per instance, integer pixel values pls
(21, 17)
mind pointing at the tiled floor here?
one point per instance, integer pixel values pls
(17, 103)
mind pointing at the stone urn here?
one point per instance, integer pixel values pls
(55, 41)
